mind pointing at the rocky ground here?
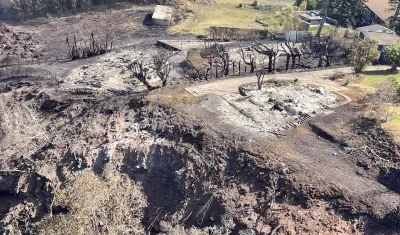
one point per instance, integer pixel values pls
(84, 149)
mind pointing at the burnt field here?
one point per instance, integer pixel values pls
(127, 141)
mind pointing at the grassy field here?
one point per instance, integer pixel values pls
(225, 13)
(372, 78)
(329, 28)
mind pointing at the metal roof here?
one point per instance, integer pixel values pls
(383, 35)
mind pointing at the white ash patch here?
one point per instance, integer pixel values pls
(110, 72)
(275, 105)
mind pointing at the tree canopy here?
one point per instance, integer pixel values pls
(362, 53)
(392, 55)
(345, 12)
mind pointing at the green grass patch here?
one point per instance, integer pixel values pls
(325, 29)
(329, 28)
(373, 78)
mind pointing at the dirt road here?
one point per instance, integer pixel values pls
(230, 85)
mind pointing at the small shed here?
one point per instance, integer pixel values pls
(383, 35)
(311, 19)
(162, 15)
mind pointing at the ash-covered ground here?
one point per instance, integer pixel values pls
(277, 106)
(85, 150)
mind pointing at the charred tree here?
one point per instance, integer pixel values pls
(209, 53)
(260, 74)
(140, 72)
(87, 49)
(162, 67)
(270, 52)
(250, 60)
(222, 57)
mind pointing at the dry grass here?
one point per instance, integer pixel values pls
(394, 125)
(170, 229)
(111, 204)
(23, 129)
(369, 80)
(181, 97)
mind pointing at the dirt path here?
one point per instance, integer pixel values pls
(230, 85)
(321, 162)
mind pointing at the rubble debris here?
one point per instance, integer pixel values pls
(16, 45)
(276, 102)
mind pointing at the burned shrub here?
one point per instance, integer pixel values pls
(162, 66)
(110, 204)
(87, 49)
(140, 72)
(195, 66)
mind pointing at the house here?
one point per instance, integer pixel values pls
(376, 12)
(383, 35)
(162, 15)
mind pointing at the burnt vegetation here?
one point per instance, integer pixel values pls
(103, 146)
(140, 70)
(79, 49)
(29, 9)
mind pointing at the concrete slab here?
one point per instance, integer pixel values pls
(162, 15)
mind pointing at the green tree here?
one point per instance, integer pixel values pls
(392, 56)
(394, 6)
(362, 53)
(286, 19)
(345, 11)
(310, 4)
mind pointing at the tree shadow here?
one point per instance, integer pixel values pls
(381, 72)
(390, 178)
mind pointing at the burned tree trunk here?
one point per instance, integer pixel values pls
(260, 78)
(140, 73)
(226, 63)
(162, 67)
(270, 52)
(250, 61)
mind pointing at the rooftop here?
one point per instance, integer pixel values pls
(383, 35)
(380, 8)
(310, 17)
